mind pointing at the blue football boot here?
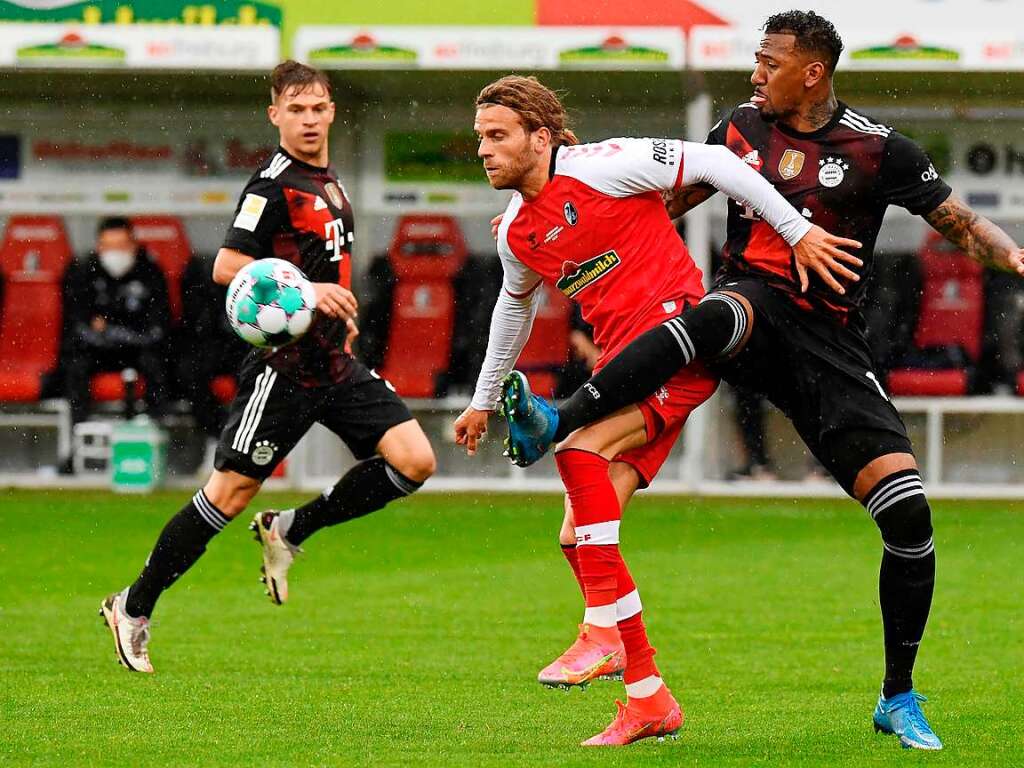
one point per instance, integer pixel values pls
(531, 421)
(901, 714)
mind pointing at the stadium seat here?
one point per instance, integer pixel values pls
(425, 254)
(33, 258)
(224, 388)
(546, 352)
(108, 387)
(166, 240)
(948, 335)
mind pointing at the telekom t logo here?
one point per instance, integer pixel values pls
(334, 237)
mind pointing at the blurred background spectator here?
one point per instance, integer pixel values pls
(117, 318)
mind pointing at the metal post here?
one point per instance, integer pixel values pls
(698, 240)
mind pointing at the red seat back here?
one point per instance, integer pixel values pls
(33, 258)
(420, 337)
(548, 348)
(427, 247)
(425, 254)
(165, 238)
(952, 302)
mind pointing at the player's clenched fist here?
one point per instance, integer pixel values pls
(335, 301)
(470, 428)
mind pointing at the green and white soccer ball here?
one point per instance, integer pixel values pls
(270, 303)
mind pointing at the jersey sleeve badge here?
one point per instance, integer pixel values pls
(250, 212)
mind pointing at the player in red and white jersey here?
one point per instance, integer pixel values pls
(590, 220)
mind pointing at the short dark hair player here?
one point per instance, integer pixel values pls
(797, 334)
(295, 208)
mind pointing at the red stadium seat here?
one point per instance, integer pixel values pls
(33, 258)
(224, 388)
(165, 238)
(426, 253)
(108, 387)
(952, 315)
(548, 348)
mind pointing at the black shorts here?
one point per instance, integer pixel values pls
(271, 413)
(820, 373)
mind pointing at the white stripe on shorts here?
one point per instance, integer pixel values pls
(254, 410)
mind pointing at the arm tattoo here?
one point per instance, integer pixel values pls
(975, 235)
(679, 201)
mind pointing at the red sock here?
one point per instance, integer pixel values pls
(596, 514)
(639, 652)
(572, 557)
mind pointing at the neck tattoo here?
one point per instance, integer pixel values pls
(820, 113)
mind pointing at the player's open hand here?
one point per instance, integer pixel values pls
(495, 223)
(821, 251)
(470, 428)
(335, 301)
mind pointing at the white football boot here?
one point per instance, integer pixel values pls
(278, 554)
(131, 636)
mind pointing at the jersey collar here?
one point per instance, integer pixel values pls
(818, 133)
(308, 166)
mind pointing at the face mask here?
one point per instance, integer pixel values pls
(117, 263)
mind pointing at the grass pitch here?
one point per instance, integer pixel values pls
(413, 637)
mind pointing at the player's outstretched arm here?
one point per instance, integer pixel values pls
(976, 236)
(680, 201)
(813, 247)
(511, 324)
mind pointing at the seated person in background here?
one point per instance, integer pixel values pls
(117, 316)
(207, 347)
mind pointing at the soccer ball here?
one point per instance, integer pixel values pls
(270, 303)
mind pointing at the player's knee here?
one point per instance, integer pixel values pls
(567, 533)
(718, 326)
(900, 509)
(417, 464)
(231, 492)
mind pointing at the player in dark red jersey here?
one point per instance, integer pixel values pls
(294, 208)
(800, 333)
(589, 220)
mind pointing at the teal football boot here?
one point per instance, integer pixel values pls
(531, 421)
(901, 715)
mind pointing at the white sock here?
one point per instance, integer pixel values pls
(628, 606)
(600, 615)
(641, 689)
(284, 522)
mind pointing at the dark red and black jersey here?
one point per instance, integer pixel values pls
(298, 212)
(842, 177)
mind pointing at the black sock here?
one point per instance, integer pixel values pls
(906, 579)
(714, 327)
(365, 488)
(905, 594)
(182, 541)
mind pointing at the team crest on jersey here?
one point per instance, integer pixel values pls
(334, 194)
(833, 171)
(576, 276)
(263, 453)
(571, 214)
(791, 163)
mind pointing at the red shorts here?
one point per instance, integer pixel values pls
(665, 412)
